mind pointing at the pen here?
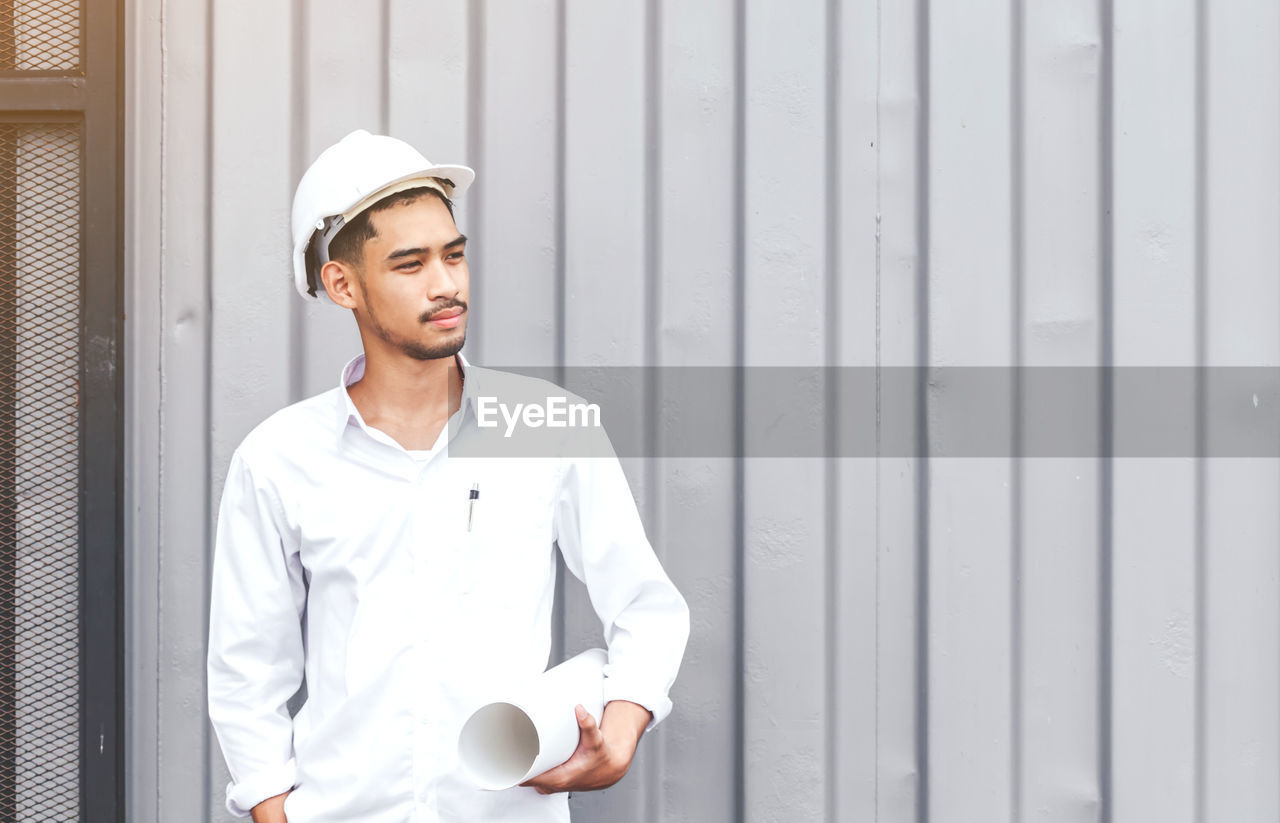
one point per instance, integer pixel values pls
(471, 503)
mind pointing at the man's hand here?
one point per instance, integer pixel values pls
(270, 810)
(604, 752)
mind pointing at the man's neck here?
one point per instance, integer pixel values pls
(408, 399)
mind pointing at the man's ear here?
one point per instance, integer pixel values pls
(339, 283)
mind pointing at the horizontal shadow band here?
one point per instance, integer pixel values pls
(893, 411)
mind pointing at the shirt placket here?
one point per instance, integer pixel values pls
(426, 571)
(430, 564)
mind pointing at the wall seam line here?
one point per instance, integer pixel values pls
(922, 590)
(1106, 405)
(1201, 350)
(162, 396)
(1018, 254)
(831, 464)
(739, 422)
(652, 258)
(207, 343)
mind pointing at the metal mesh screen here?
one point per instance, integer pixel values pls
(40, 35)
(39, 472)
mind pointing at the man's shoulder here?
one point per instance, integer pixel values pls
(299, 425)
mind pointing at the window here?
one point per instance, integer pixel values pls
(60, 413)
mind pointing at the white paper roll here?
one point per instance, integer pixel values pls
(532, 729)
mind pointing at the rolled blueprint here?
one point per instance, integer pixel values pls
(534, 728)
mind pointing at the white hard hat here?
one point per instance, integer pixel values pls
(347, 178)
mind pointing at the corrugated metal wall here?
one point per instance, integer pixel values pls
(752, 182)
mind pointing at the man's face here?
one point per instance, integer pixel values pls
(412, 292)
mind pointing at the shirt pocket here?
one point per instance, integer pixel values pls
(505, 550)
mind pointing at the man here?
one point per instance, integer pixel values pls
(356, 544)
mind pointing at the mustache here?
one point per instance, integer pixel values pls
(446, 305)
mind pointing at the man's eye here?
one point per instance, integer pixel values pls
(407, 266)
(457, 255)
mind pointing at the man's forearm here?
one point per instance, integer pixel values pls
(626, 717)
(270, 810)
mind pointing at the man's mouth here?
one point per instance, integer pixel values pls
(446, 318)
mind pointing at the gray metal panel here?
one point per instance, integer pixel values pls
(969, 506)
(902, 231)
(693, 503)
(515, 274)
(184, 423)
(1154, 500)
(1239, 664)
(785, 620)
(344, 88)
(1057, 544)
(1240, 749)
(423, 83)
(606, 312)
(143, 221)
(249, 287)
(853, 498)
(851, 504)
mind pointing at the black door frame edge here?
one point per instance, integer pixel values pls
(102, 415)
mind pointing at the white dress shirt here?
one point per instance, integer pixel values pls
(343, 555)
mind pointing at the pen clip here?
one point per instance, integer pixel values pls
(472, 497)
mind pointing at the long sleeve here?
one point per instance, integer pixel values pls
(645, 618)
(255, 660)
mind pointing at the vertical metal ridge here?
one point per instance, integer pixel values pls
(739, 394)
(475, 147)
(162, 396)
(652, 184)
(921, 651)
(652, 232)
(384, 98)
(831, 415)
(1106, 295)
(879, 400)
(298, 163)
(561, 169)
(1017, 196)
(1201, 354)
(207, 356)
(100, 433)
(652, 265)
(561, 75)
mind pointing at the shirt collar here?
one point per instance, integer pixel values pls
(354, 370)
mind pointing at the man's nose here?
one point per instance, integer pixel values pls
(441, 279)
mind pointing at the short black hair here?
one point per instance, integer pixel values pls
(348, 244)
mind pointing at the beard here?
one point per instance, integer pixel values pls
(419, 351)
(416, 348)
